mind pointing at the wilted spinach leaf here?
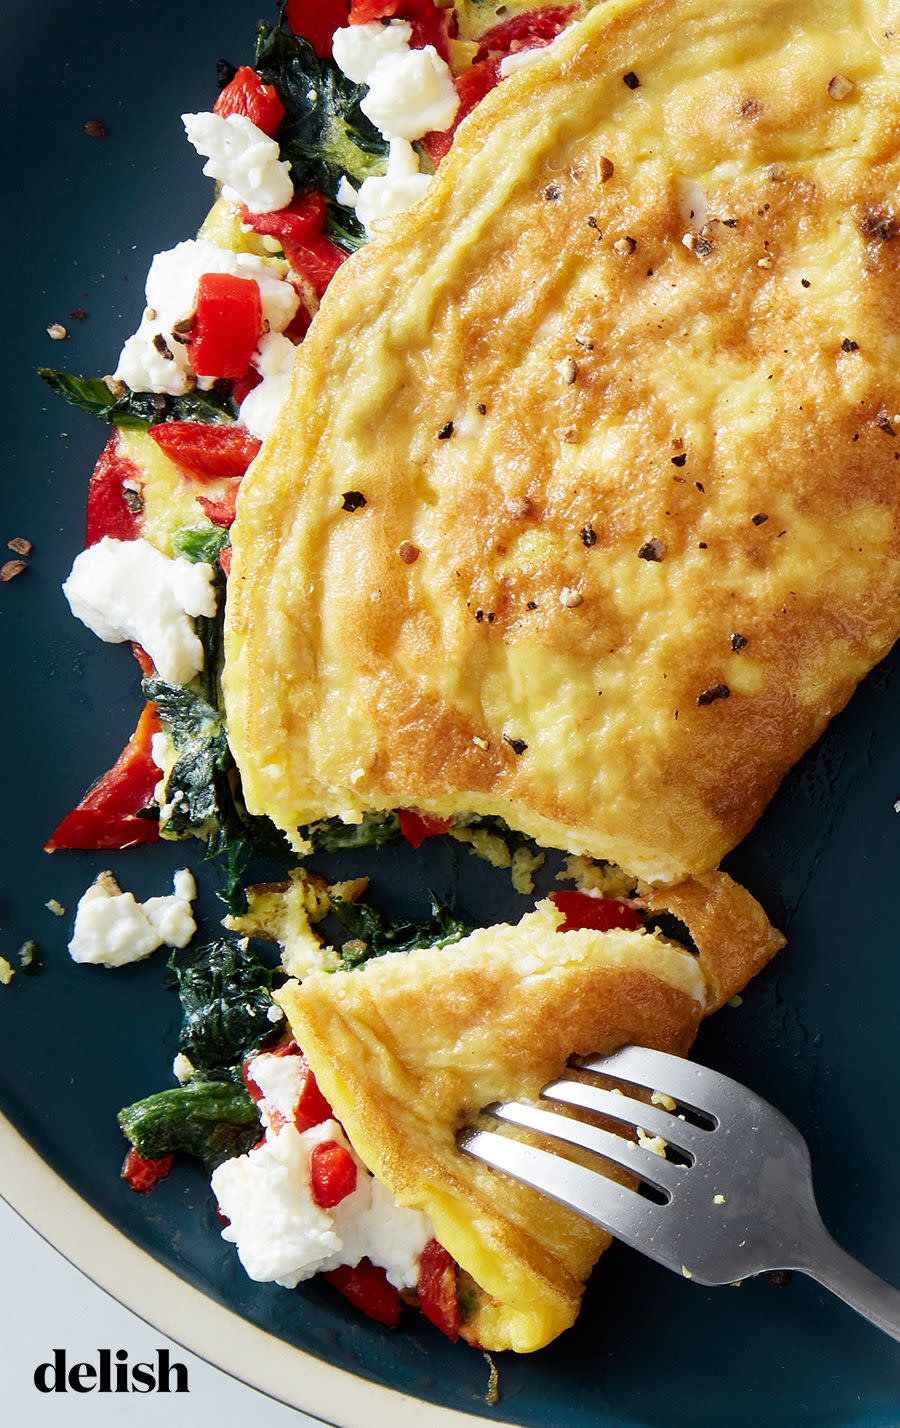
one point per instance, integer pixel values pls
(213, 1120)
(225, 992)
(324, 134)
(137, 411)
(330, 834)
(199, 543)
(372, 935)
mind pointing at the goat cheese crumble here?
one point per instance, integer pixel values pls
(246, 161)
(381, 199)
(410, 93)
(129, 590)
(112, 928)
(281, 1234)
(359, 49)
(152, 358)
(273, 360)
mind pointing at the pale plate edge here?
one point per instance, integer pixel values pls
(173, 1306)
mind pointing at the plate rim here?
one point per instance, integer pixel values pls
(193, 1320)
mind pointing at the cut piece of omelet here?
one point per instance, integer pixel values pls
(409, 1048)
(583, 509)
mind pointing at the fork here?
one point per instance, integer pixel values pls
(736, 1200)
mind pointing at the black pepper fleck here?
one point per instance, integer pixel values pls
(445, 431)
(531, 605)
(162, 347)
(883, 422)
(679, 460)
(848, 345)
(701, 545)
(96, 129)
(592, 222)
(588, 536)
(518, 746)
(353, 501)
(759, 520)
(738, 642)
(552, 192)
(700, 486)
(631, 80)
(715, 691)
(481, 408)
(479, 616)
(652, 550)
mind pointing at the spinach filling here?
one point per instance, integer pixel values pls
(138, 411)
(372, 935)
(225, 993)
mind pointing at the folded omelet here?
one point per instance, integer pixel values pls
(409, 1048)
(583, 507)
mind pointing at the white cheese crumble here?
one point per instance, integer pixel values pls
(410, 93)
(280, 1079)
(246, 161)
(112, 928)
(280, 1232)
(359, 49)
(274, 360)
(171, 293)
(381, 199)
(128, 590)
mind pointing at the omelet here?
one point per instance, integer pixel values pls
(582, 510)
(409, 1049)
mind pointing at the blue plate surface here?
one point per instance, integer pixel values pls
(817, 1033)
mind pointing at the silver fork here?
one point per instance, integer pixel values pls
(737, 1201)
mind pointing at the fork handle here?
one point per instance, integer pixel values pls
(870, 1296)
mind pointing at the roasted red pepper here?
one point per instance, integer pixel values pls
(247, 95)
(299, 229)
(225, 560)
(311, 1108)
(143, 1174)
(416, 827)
(227, 325)
(148, 668)
(431, 25)
(599, 913)
(524, 32)
(316, 21)
(366, 1287)
(437, 1289)
(222, 509)
(471, 88)
(332, 1174)
(107, 815)
(206, 452)
(108, 511)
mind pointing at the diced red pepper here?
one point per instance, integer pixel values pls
(107, 815)
(206, 452)
(471, 88)
(316, 21)
(416, 827)
(599, 913)
(148, 668)
(332, 1174)
(299, 228)
(311, 1108)
(222, 510)
(227, 325)
(302, 219)
(143, 1174)
(431, 25)
(524, 32)
(242, 386)
(107, 511)
(225, 555)
(366, 1287)
(247, 95)
(437, 1289)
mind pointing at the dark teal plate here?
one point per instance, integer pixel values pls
(817, 1033)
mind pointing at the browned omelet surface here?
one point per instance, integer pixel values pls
(409, 1049)
(487, 632)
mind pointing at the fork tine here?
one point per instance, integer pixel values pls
(646, 1164)
(613, 1207)
(631, 1112)
(685, 1081)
